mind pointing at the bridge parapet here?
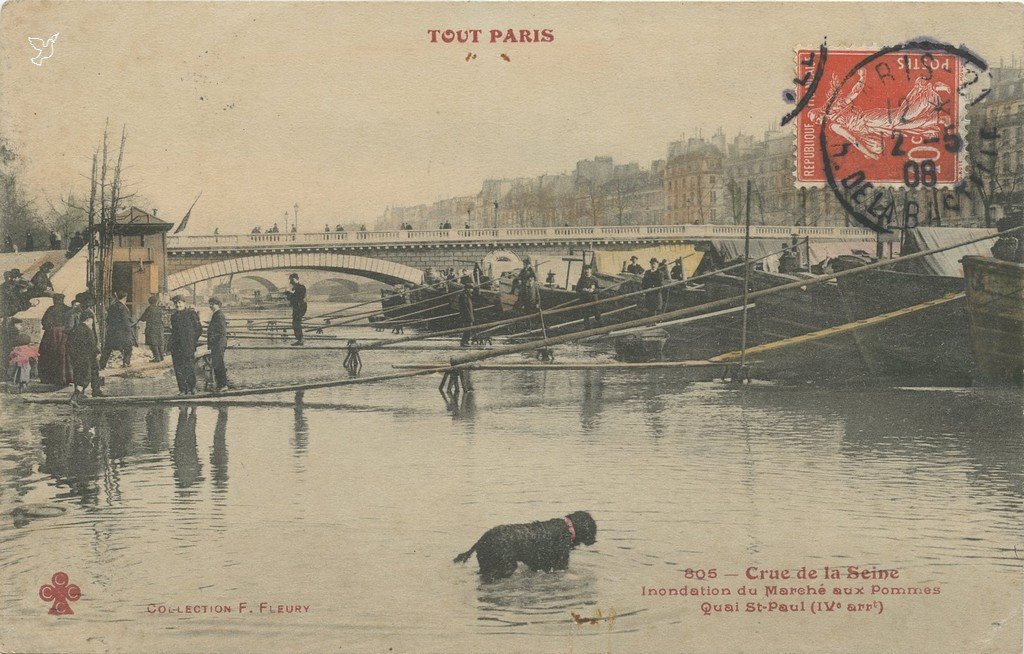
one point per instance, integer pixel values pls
(511, 235)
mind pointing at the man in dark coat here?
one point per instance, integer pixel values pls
(54, 362)
(297, 298)
(652, 279)
(82, 352)
(466, 308)
(524, 286)
(153, 316)
(634, 267)
(76, 244)
(120, 335)
(586, 289)
(14, 293)
(185, 332)
(42, 286)
(217, 342)
(678, 274)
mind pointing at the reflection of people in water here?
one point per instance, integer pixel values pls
(157, 425)
(918, 114)
(187, 469)
(72, 458)
(219, 454)
(301, 441)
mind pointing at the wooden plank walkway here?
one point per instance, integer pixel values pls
(65, 398)
(582, 365)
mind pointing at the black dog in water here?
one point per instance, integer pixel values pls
(540, 545)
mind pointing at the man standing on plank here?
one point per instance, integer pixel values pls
(185, 332)
(120, 335)
(297, 298)
(217, 342)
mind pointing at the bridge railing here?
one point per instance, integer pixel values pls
(512, 235)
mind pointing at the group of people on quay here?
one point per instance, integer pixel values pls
(30, 242)
(74, 244)
(69, 351)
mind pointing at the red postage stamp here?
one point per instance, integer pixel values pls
(893, 118)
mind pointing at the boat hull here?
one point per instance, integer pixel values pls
(996, 319)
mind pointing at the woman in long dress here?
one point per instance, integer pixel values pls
(54, 361)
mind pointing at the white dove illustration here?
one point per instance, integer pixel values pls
(44, 48)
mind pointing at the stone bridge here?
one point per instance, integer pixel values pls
(401, 256)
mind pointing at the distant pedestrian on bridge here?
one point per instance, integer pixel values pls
(297, 298)
(185, 332)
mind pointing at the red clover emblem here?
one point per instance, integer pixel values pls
(60, 593)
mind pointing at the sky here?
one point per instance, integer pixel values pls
(347, 108)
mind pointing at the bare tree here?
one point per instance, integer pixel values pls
(594, 199)
(18, 216)
(519, 201)
(67, 217)
(566, 207)
(623, 196)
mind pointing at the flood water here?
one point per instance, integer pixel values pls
(353, 501)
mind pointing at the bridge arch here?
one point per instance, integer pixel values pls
(380, 270)
(332, 284)
(262, 281)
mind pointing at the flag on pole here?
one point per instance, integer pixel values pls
(188, 214)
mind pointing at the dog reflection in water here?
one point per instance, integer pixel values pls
(540, 545)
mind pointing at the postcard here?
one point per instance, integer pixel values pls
(511, 327)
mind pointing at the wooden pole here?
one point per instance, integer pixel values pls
(101, 293)
(746, 281)
(90, 274)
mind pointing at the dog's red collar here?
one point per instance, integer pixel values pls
(572, 530)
